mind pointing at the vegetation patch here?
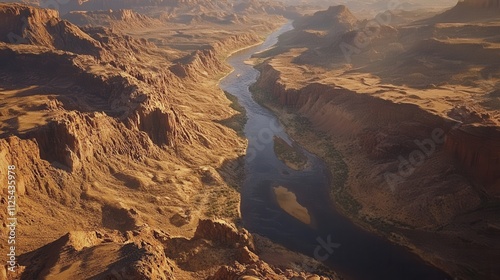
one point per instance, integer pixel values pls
(291, 155)
(301, 129)
(238, 121)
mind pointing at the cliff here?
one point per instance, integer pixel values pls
(470, 10)
(338, 110)
(380, 131)
(407, 127)
(391, 154)
(205, 62)
(338, 18)
(123, 19)
(21, 24)
(121, 162)
(477, 149)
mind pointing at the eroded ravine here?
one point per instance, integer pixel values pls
(293, 207)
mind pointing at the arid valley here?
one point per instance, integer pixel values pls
(247, 139)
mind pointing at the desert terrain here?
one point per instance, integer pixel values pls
(122, 158)
(406, 115)
(125, 167)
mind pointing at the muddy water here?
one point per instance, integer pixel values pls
(330, 237)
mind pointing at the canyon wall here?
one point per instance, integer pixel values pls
(470, 10)
(351, 107)
(123, 147)
(105, 105)
(376, 137)
(42, 27)
(418, 178)
(206, 62)
(123, 19)
(477, 149)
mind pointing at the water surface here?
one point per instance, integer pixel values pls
(330, 237)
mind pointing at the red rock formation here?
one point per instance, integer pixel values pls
(119, 19)
(26, 25)
(321, 102)
(164, 127)
(381, 132)
(205, 62)
(336, 17)
(477, 149)
(224, 234)
(468, 10)
(138, 256)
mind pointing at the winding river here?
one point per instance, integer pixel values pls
(326, 234)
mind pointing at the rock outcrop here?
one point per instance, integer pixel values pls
(339, 18)
(477, 149)
(224, 234)
(412, 148)
(203, 63)
(137, 256)
(122, 19)
(21, 24)
(470, 10)
(108, 141)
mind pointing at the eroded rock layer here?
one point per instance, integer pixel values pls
(123, 168)
(406, 115)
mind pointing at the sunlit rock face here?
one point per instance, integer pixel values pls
(22, 24)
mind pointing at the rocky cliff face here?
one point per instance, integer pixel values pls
(123, 19)
(335, 17)
(205, 62)
(380, 142)
(224, 234)
(42, 27)
(413, 149)
(110, 142)
(336, 109)
(477, 149)
(467, 10)
(382, 131)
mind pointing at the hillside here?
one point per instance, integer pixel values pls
(171, 9)
(118, 19)
(123, 168)
(412, 110)
(471, 10)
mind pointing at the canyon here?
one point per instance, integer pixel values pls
(114, 128)
(408, 123)
(138, 154)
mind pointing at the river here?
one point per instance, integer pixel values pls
(330, 237)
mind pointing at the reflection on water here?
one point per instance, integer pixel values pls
(281, 215)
